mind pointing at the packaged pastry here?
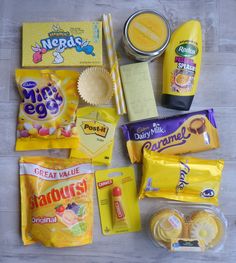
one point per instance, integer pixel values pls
(49, 100)
(179, 227)
(118, 201)
(56, 201)
(180, 178)
(191, 132)
(62, 44)
(96, 129)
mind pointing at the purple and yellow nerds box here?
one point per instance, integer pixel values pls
(62, 44)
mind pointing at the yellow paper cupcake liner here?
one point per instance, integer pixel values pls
(95, 86)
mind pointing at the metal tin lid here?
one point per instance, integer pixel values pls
(155, 52)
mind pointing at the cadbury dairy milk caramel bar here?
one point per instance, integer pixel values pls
(191, 132)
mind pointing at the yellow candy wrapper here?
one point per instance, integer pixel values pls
(56, 201)
(49, 100)
(185, 133)
(180, 178)
(118, 201)
(96, 128)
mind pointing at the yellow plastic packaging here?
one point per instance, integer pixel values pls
(181, 66)
(49, 100)
(96, 128)
(186, 133)
(187, 227)
(181, 178)
(118, 201)
(56, 201)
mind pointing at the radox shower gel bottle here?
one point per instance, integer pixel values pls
(182, 62)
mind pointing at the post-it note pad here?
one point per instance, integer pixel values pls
(138, 91)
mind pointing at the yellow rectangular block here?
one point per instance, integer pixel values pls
(62, 44)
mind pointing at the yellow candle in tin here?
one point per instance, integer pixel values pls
(147, 32)
(146, 35)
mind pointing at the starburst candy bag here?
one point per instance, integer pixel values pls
(180, 178)
(96, 128)
(56, 201)
(49, 100)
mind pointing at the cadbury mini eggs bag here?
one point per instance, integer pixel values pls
(49, 100)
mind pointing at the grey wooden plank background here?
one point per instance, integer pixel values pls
(216, 89)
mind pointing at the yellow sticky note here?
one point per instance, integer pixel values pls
(138, 91)
(62, 44)
(96, 129)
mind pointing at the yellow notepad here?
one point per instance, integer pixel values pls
(138, 91)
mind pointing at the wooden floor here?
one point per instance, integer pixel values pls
(217, 89)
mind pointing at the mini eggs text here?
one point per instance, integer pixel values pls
(41, 102)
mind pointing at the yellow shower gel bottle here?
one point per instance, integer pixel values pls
(181, 68)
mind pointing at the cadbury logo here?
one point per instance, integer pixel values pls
(29, 84)
(184, 170)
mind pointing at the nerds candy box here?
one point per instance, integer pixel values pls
(62, 44)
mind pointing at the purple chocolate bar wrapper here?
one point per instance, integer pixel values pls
(160, 127)
(190, 132)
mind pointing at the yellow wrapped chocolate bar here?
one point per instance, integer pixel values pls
(96, 128)
(56, 201)
(180, 178)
